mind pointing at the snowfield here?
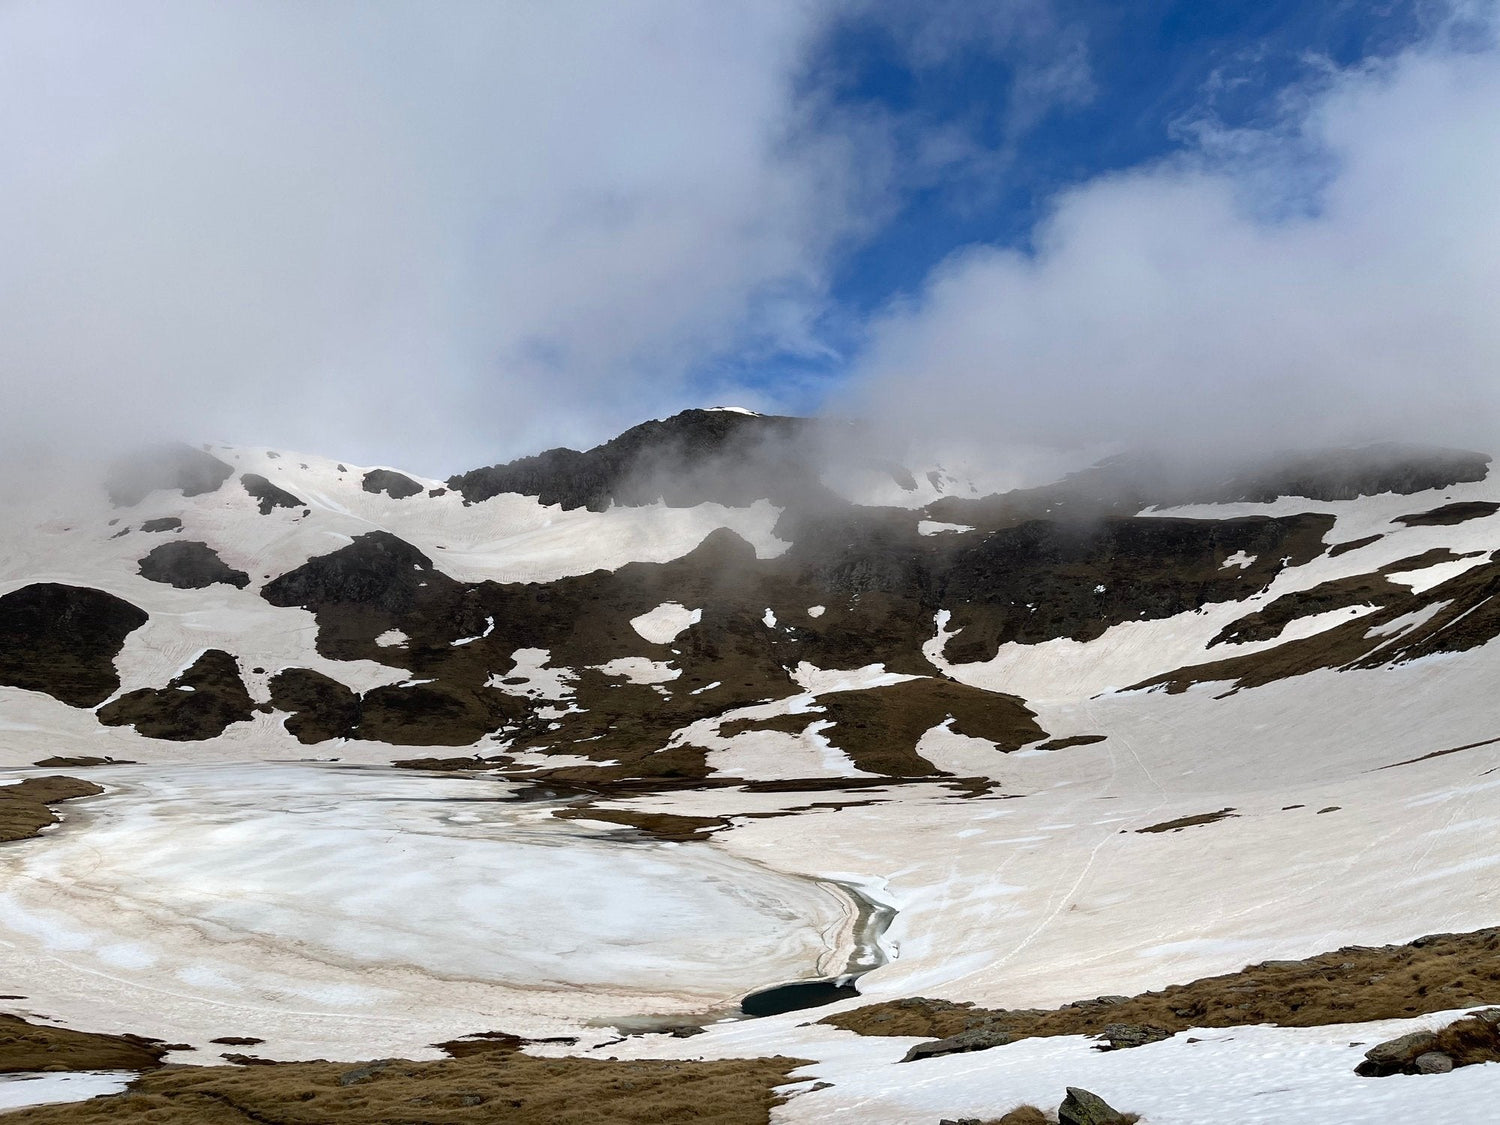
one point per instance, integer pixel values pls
(352, 911)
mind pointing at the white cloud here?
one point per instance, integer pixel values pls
(441, 233)
(1202, 301)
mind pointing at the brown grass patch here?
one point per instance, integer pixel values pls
(1355, 984)
(1070, 741)
(80, 762)
(1188, 821)
(31, 1046)
(1449, 514)
(1352, 545)
(661, 826)
(24, 807)
(515, 1089)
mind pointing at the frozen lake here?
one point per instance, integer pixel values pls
(234, 899)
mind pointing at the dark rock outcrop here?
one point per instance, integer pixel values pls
(190, 565)
(1122, 1036)
(1046, 579)
(398, 486)
(377, 571)
(190, 471)
(200, 703)
(1083, 1108)
(267, 494)
(63, 640)
(162, 523)
(318, 706)
(695, 457)
(975, 1039)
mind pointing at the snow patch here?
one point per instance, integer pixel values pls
(661, 625)
(935, 527)
(640, 670)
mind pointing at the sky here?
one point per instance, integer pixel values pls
(440, 235)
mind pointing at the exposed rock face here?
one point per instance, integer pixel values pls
(269, 495)
(201, 703)
(63, 640)
(398, 486)
(1347, 474)
(1042, 580)
(1122, 1036)
(190, 471)
(691, 458)
(163, 523)
(377, 571)
(1083, 1108)
(190, 566)
(975, 1039)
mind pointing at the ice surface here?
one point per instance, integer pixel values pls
(18, 1090)
(299, 889)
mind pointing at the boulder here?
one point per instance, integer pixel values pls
(1083, 1108)
(974, 1039)
(1433, 1062)
(1120, 1036)
(1396, 1055)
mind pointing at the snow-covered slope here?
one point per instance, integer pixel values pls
(962, 709)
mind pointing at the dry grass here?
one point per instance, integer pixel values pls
(23, 807)
(512, 1088)
(1188, 821)
(1355, 984)
(1470, 1041)
(29, 1046)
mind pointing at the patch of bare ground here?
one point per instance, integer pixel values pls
(1352, 545)
(1071, 741)
(672, 827)
(1430, 557)
(1448, 514)
(1267, 623)
(1188, 821)
(507, 1087)
(24, 807)
(1460, 614)
(1443, 753)
(199, 703)
(880, 728)
(80, 761)
(26, 1046)
(1355, 984)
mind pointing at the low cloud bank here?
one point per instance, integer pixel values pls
(1332, 279)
